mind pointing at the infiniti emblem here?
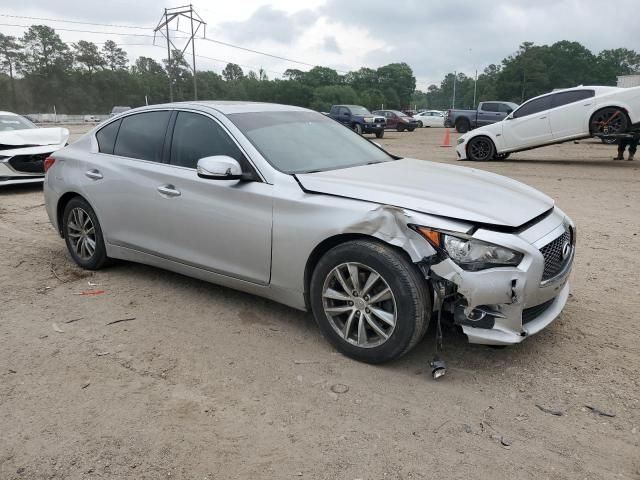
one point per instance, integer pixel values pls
(566, 250)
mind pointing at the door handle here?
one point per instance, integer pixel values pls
(93, 174)
(169, 191)
(542, 118)
(587, 104)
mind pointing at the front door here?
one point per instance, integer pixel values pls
(219, 225)
(529, 125)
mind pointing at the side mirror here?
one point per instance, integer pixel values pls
(219, 167)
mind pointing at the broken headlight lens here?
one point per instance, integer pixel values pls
(470, 253)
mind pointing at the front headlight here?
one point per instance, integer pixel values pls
(368, 120)
(470, 253)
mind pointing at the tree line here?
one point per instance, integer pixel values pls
(39, 70)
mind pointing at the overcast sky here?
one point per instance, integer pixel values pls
(432, 37)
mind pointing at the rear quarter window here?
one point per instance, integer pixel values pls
(106, 137)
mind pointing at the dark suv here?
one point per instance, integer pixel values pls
(359, 119)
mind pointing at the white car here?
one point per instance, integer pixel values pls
(430, 118)
(555, 117)
(24, 148)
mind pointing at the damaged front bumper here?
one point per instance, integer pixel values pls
(503, 306)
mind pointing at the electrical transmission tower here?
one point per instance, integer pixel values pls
(193, 19)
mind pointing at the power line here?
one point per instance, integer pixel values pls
(74, 21)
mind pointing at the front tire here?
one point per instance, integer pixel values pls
(369, 301)
(357, 128)
(83, 235)
(480, 149)
(420, 124)
(380, 134)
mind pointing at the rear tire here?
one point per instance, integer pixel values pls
(348, 314)
(420, 124)
(400, 129)
(609, 120)
(463, 126)
(480, 149)
(411, 129)
(83, 235)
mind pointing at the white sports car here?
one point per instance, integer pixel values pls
(430, 118)
(24, 147)
(555, 117)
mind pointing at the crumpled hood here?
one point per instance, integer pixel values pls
(434, 188)
(34, 136)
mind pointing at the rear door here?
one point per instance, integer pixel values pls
(219, 225)
(570, 113)
(529, 125)
(121, 179)
(488, 113)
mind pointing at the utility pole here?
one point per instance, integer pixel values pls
(453, 102)
(475, 88)
(169, 15)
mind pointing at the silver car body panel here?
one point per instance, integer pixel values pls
(271, 228)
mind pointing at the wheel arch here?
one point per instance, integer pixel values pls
(62, 203)
(327, 244)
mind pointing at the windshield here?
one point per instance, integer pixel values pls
(399, 113)
(303, 142)
(14, 122)
(359, 111)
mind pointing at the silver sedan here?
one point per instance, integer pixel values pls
(288, 204)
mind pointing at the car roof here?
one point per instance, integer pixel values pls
(9, 113)
(598, 89)
(225, 107)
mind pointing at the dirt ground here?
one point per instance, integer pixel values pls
(209, 383)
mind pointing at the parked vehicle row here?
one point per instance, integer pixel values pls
(555, 117)
(24, 148)
(285, 203)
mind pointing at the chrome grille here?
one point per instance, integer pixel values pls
(554, 262)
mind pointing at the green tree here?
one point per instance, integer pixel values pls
(115, 57)
(396, 80)
(179, 76)
(9, 51)
(232, 72)
(87, 56)
(324, 97)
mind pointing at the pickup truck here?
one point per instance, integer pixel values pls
(359, 119)
(486, 114)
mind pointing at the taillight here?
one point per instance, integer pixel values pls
(48, 163)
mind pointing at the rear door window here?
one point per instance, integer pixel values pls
(196, 136)
(533, 106)
(106, 137)
(142, 136)
(565, 98)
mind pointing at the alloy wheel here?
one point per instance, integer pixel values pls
(608, 121)
(480, 149)
(81, 233)
(359, 304)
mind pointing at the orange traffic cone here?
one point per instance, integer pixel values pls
(446, 141)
